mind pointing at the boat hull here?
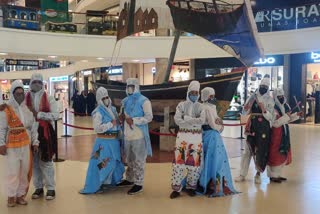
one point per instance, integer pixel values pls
(169, 95)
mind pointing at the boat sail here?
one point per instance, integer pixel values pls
(229, 26)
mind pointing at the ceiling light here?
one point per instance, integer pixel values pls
(84, 60)
(41, 59)
(100, 58)
(3, 54)
(52, 57)
(135, 60)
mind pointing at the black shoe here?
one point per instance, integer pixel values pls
(191, 192)
(37, 194)
(124, 183)
(174, 194)
(275, 180)
(209, 192)
(135, 190)
(283, 179)
(51, 194)
(200, 189)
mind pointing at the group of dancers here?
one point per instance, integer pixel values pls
(200, 164)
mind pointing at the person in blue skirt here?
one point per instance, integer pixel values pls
(215, 179)
(105, 166)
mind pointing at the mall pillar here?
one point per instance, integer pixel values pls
(192, 69)
(161, 67)
(161, 63)
(286, 76)
(298, 72)
(317, 108)
(131, 70)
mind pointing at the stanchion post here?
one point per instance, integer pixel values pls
(65, 126)
(241, 134)
(57, 159)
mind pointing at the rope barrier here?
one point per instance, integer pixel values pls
(78, 127)
(73, 112)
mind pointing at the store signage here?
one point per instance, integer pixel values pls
(116, 71)
(266, 61)
(22, 62)
(86, 73)
(288, 18)
(59, 79)
(315, 57)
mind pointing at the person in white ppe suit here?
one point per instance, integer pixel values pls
(280, 147)
(18, 131)
(260, 106)
(136, 115)
(216, 178)
(190, 117)
(105, 166)
(45, 111)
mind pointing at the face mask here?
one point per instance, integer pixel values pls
(281, 100)
(263, 90)
(130, 90)
(213, 101)
(106, 102)
(35, 87)
(19, 98)
(193, 98)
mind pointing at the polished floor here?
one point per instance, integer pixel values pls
(300, 194)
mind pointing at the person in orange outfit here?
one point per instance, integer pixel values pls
(18, 129)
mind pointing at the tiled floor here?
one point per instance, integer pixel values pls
(300, 194)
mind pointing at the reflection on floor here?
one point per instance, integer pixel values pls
(300, 194)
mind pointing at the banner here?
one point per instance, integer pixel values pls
(54, 11)
(142, 15)
(229, 26)
(288, 18)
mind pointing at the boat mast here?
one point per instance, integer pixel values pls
(172, 55)
(215, 6)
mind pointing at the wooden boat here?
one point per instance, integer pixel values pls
(203, 18)
(170, 94)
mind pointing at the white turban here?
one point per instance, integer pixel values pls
(36, 76)
(15, 84)
(265, 81)
(194, 86)
(101, 93)
(276, 93)
(135, 82)
(206, 93)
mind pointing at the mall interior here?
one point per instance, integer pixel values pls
(81, 45)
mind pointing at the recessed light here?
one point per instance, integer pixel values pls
(3, 54)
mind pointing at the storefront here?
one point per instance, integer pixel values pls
(59, 88)
(272, 66)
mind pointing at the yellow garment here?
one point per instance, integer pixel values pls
(17, 136)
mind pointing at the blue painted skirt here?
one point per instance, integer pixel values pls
(105, 166)
(216, 175)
